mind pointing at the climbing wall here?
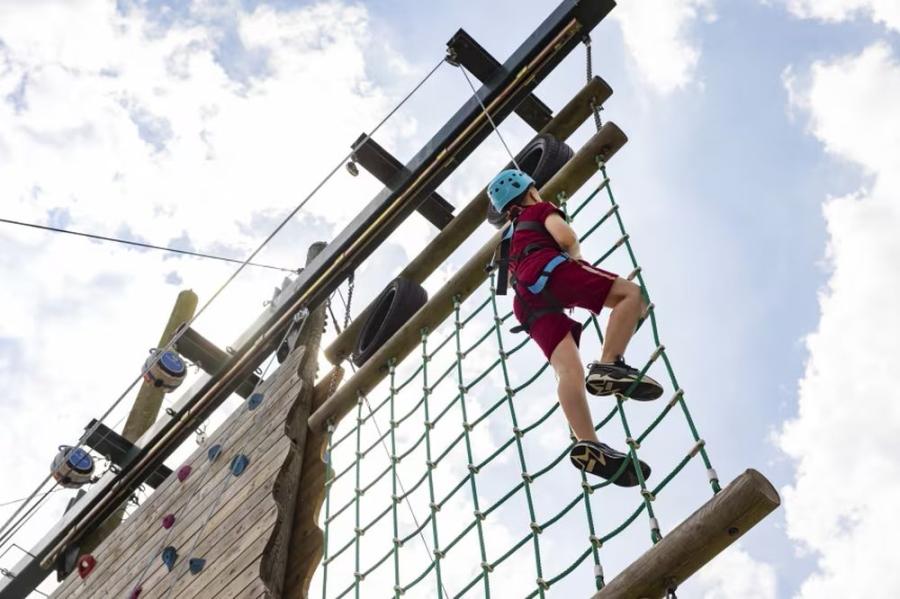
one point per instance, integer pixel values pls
(236, 521)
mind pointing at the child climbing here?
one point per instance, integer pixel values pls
(548, 275)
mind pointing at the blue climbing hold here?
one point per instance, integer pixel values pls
(239, 464)
(214, 452)
(254, 401)
(196, 564)
(169, 555)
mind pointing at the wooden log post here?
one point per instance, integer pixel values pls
(307, 539)
(694, 542)
(572, 115)
(603, 145)
(291, 480)
(145, 410)
(146, 406)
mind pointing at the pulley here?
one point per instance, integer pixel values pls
(72, 467)
(167, 372)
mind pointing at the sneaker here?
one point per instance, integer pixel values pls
(606, 379)
(602, 460)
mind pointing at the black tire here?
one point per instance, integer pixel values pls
(541, 158)
(397, 303)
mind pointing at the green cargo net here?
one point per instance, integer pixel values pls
(439, 484)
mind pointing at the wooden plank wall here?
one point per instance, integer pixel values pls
(240, 525)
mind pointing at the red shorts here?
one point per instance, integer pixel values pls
(574, 285)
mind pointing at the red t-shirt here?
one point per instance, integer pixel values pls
(529, 268)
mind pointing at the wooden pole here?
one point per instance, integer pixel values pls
(149, 398)
(603, 145)
(572, 115)
(694, 542)
(144, 411)
(306, 540)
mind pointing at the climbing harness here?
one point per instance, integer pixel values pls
(502, 262)
(167, 371)
(72, 467)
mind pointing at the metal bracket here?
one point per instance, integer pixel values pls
(120, 451)
(203, 352)
(390, 171)
(468, 53)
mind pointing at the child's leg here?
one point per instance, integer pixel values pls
(566, 361)
(627, 305)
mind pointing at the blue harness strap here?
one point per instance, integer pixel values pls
(539, 286)
(541, 282)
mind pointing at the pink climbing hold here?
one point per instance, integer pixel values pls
(184, 472)
(136, 592)
(168, 521)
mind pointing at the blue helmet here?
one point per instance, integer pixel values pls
(508, 186)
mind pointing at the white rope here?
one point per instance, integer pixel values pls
(488, 115)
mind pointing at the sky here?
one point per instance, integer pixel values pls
(760, 186)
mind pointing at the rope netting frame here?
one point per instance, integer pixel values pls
(346, 453)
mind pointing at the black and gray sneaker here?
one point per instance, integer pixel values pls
(602, 460)
(606, 379)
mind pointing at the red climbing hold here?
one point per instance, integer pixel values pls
(184, 472)
(86, 563)
(136, 592)
(168, 521)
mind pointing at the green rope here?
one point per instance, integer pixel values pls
(429, 465)
(585, 496)
(510, 392)
(469, 456)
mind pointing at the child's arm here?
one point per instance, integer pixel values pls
(564, 235)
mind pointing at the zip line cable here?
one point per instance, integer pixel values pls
(140, 244)
(231, 278)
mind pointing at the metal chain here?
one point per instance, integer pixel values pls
(589, 68)
(351, 283)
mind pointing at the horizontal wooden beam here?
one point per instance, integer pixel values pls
(464, 50)
(370, 155)
(205, 354)
(572, 115)
(120, 450)
(603, 145)
(693, 543)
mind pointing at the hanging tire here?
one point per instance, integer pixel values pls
(392, 309)
(541, 158)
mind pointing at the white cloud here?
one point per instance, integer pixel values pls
(886, 12)
(658, 35)
(735, 574)
(844, 438)
(117, 122)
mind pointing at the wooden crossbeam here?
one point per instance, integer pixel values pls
(390, 171)
(464, 50)
(693, 543)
